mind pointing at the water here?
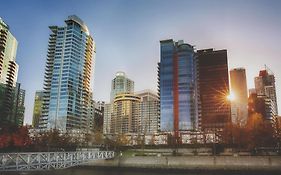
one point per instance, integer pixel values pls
(132, 171)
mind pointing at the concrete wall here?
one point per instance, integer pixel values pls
(194, 162)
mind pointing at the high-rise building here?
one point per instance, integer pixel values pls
(239, 104)
(67, 94)
(265, 86)
(125, 118)
(90, 115)
(149, 112)
(95, 116)
(98, 116)
(121, 84)
(8, 51)
(263, 105)
(11, 96)
(177, 86)
(18, 105)
(37, 109)
(213, 89)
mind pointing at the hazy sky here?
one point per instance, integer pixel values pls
(127, 34)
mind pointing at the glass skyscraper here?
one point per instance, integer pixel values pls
(121, 84)
(214, 108)
(68, 70)
(177, 86)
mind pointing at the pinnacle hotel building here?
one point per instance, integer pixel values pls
(67, 78)
(177, 87)
(121, 84)
(213, 87)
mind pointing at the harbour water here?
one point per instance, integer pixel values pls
(133, 171)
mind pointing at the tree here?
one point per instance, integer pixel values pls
(261, 132)
(21, 138)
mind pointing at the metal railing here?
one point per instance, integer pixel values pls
(30, 161)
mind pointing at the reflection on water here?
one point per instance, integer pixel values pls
(122, 171)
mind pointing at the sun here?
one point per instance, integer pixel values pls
(231, 96)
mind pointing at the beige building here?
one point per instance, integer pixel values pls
(149, 112)
(125, 117)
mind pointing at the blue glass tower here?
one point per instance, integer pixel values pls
(177, 82)
(67, 93)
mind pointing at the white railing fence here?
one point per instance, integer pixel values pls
(49, 160)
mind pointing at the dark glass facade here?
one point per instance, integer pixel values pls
(213, 88)
(177, 86)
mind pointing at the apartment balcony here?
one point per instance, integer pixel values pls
(3, 34)
(50, 57)
(2, 43)
(51, 51)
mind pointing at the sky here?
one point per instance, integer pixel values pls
(127, 35)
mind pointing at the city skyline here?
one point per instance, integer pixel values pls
(240, 33)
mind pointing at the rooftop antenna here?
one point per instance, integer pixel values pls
(268, 69)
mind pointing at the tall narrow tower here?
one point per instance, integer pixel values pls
(239, 104)
(67, 76)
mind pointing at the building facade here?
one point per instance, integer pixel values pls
(149, 112)
(95, 117)
(262, 105)
(121, 84)
(107, 118)
(11, 95)
(177, 87)
(8, 51)
(18, 105)
(265, 86)
(98, 117)
(125, 118)
(69, 64)
(37, 109)
(213, 88)
(239, 104)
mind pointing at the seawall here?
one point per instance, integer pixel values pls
(194, 162)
